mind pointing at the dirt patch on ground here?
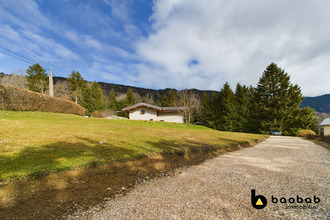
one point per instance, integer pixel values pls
(58, 195)
(323, 141)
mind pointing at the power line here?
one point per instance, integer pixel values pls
(26, 60)
(21, 59)
(17, 56)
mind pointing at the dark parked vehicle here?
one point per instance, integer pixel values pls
(275, 132)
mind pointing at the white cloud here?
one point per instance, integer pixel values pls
(191, 43)
(75, 38)
(119, 10)
(83, 40)
(90, 41)
(7, 31)
(28, 32)
(235, 42)
(113, 72)
(65, 53)
(24, 14)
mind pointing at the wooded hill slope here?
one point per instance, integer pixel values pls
(61, 89)
(319, 103)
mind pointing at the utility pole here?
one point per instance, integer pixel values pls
(51, 89)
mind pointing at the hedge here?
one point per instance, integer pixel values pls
(16, 99)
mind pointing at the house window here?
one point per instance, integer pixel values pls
(142, 112)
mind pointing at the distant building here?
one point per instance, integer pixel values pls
(325, 127)
(144, 111)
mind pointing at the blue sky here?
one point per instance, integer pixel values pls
(169, 43)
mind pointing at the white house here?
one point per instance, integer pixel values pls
(325, 127)
(144, 111)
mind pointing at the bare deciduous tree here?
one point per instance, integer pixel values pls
(15, 79)
(190, 100)
(148, 98)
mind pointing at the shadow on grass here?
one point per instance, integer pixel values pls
(53, 196)
(33, 162)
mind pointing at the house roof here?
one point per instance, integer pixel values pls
(325, 121)
(174, 109)
(157, 108)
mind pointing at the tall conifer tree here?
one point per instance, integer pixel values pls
(130, 98)
(112, 101)
(276, 103)
(170, 100)
(226, 113)
(205, 114)
(242, 108)
(93, 98)
(77, 85)
(37, 78)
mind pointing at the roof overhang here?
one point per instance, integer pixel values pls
(157, 108)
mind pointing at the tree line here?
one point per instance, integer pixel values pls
(272, 104)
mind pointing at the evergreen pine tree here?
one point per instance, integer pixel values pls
(213, 114)
(165, 101)
(227, 115)
(173, 99)
(205, 115)
(130, 98)
(242, 108)
(93, 99)
(276, 104)
(77, 85)
(112, 101)
(170, 100)
(37, 78)
(270, 99)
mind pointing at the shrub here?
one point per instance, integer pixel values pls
(96, 114)
(305, 133)
(16, 99)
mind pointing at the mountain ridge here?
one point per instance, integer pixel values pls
(319, 103)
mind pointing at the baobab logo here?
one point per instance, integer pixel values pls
(298, 202)
(258, 202)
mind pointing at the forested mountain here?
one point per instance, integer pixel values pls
(61, 89)
(319, 103)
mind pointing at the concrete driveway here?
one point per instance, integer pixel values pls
(292, 171)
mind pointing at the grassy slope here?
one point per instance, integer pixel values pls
(36, 143)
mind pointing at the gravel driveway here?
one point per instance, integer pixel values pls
(282, 167)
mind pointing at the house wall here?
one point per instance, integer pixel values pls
(326, 130)
(176, 117)
(135, 114)
(151, 114)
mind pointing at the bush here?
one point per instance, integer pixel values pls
(96, 114)
(305, 133)
(16, 99)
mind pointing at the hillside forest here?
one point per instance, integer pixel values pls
(274, 103)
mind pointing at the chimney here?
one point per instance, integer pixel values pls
(51, 89)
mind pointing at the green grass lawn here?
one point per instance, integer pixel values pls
(33, 144)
